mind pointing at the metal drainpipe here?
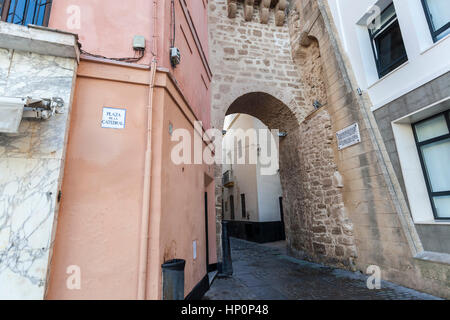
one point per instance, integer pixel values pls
(145, 218)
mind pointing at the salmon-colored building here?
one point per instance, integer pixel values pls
(125, 207)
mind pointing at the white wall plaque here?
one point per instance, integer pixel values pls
(194, 249)
(114, 118)
(348, 137)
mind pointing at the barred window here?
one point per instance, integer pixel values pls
(25, 12)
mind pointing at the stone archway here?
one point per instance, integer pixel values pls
(315, 219)
(298, 64)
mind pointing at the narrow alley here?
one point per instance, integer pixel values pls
(265, 272)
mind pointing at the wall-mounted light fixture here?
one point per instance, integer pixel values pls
(282, 134)
(12, 110)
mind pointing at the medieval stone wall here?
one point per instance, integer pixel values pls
(247, 56)
(254, 73)
(319, 228)
(342, 207)
(383, 230)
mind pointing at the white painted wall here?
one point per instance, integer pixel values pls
(244, 175)
(262, 192)
(269, 189)
(426, 59)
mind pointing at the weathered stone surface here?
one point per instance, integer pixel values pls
(264, 11)
(280, 12)
(319, 209)
(340, 206)
(265, 7)
(232, 8)
(254, 73)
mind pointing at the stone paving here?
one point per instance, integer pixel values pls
(265, 272)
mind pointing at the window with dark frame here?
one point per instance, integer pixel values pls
(438, 17)
(433, 142)
(387, 41)
(25, 12)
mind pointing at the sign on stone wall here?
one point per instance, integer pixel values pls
(348, 137)
(114, 118)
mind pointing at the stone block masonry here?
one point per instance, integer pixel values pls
(249, 57)
(342, 207)
(255, 73)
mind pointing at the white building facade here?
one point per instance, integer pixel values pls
(252, 197)
(399, 51)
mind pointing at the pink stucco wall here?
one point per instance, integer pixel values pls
(183, 189)
(107, 28)
(100, 218)
(99, 224)
(192, 74)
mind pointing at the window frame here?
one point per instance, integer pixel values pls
(419, 145)
(434, 33)
(385, 27)
(4, 12)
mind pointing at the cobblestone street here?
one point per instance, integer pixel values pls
(265, 272)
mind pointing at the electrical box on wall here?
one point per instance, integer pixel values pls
(139, 43)
(175, 56)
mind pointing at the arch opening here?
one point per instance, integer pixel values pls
(313, 212)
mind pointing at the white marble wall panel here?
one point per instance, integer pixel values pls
(31, 165)
(28, 188)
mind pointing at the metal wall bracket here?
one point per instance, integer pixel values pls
(43, 108)
(12, 110)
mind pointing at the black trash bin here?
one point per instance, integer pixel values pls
(173, 279)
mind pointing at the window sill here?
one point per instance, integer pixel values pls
(434, 222)
(389, 74)
(436, 257)
(435, 44)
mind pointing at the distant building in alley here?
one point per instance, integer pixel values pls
(252, 200)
